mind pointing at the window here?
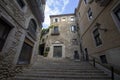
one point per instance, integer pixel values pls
(21, 3)
(63, 19)
(117, 12)
(90, 14)
(56, 20)
(74, 42)
(116, 15)
(32, 28)
(55, 31)
(4, 31)
(79, 15)
(73, 28)
(103, 59)
(72, 19)
(96, 35)
(85, 1)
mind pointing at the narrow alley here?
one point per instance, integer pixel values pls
(59, 39)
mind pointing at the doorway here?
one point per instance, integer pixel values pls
(41, 49)
(57, 52)
(25, 55)
(76, 55)
(86, 55)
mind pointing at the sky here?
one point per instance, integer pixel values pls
(55, 7)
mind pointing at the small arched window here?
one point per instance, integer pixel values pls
(32, 28)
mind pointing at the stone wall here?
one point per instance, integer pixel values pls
(110, 38)
(65, 36)
(18, 19)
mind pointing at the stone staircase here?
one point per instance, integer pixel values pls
(61, 70)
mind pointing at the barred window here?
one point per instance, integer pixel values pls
(97, 38)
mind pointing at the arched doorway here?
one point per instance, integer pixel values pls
(27, 48)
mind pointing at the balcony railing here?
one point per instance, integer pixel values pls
(55, 33)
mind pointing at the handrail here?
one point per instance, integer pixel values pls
(110, 67)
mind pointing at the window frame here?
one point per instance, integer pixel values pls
(56, 29)
(73, 28)
(72, 18)
(21, 3)
(103, 59)
(32, 28)
(79, 15)
(97, 38)
(56, 20)
(90, 14)
(5, 33)
(115, 19)
(85, 1)
(63, 19)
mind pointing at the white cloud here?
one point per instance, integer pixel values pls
(53, 7)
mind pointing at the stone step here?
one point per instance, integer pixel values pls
(61, 77)
(73, 64)
(64, 70)
(65, 66)
(38, 74)
(24, 78)
(61, 64)
(70, 63)
(61, 70)
(62, 67)
(52, 65)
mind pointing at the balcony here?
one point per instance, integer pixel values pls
(103, 2)
(55, 33)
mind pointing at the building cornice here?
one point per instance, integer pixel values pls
(62, 15)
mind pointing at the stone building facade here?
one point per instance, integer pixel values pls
(62, 39)
(99, 28)
(20, 25)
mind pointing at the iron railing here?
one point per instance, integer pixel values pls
(111, 68)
